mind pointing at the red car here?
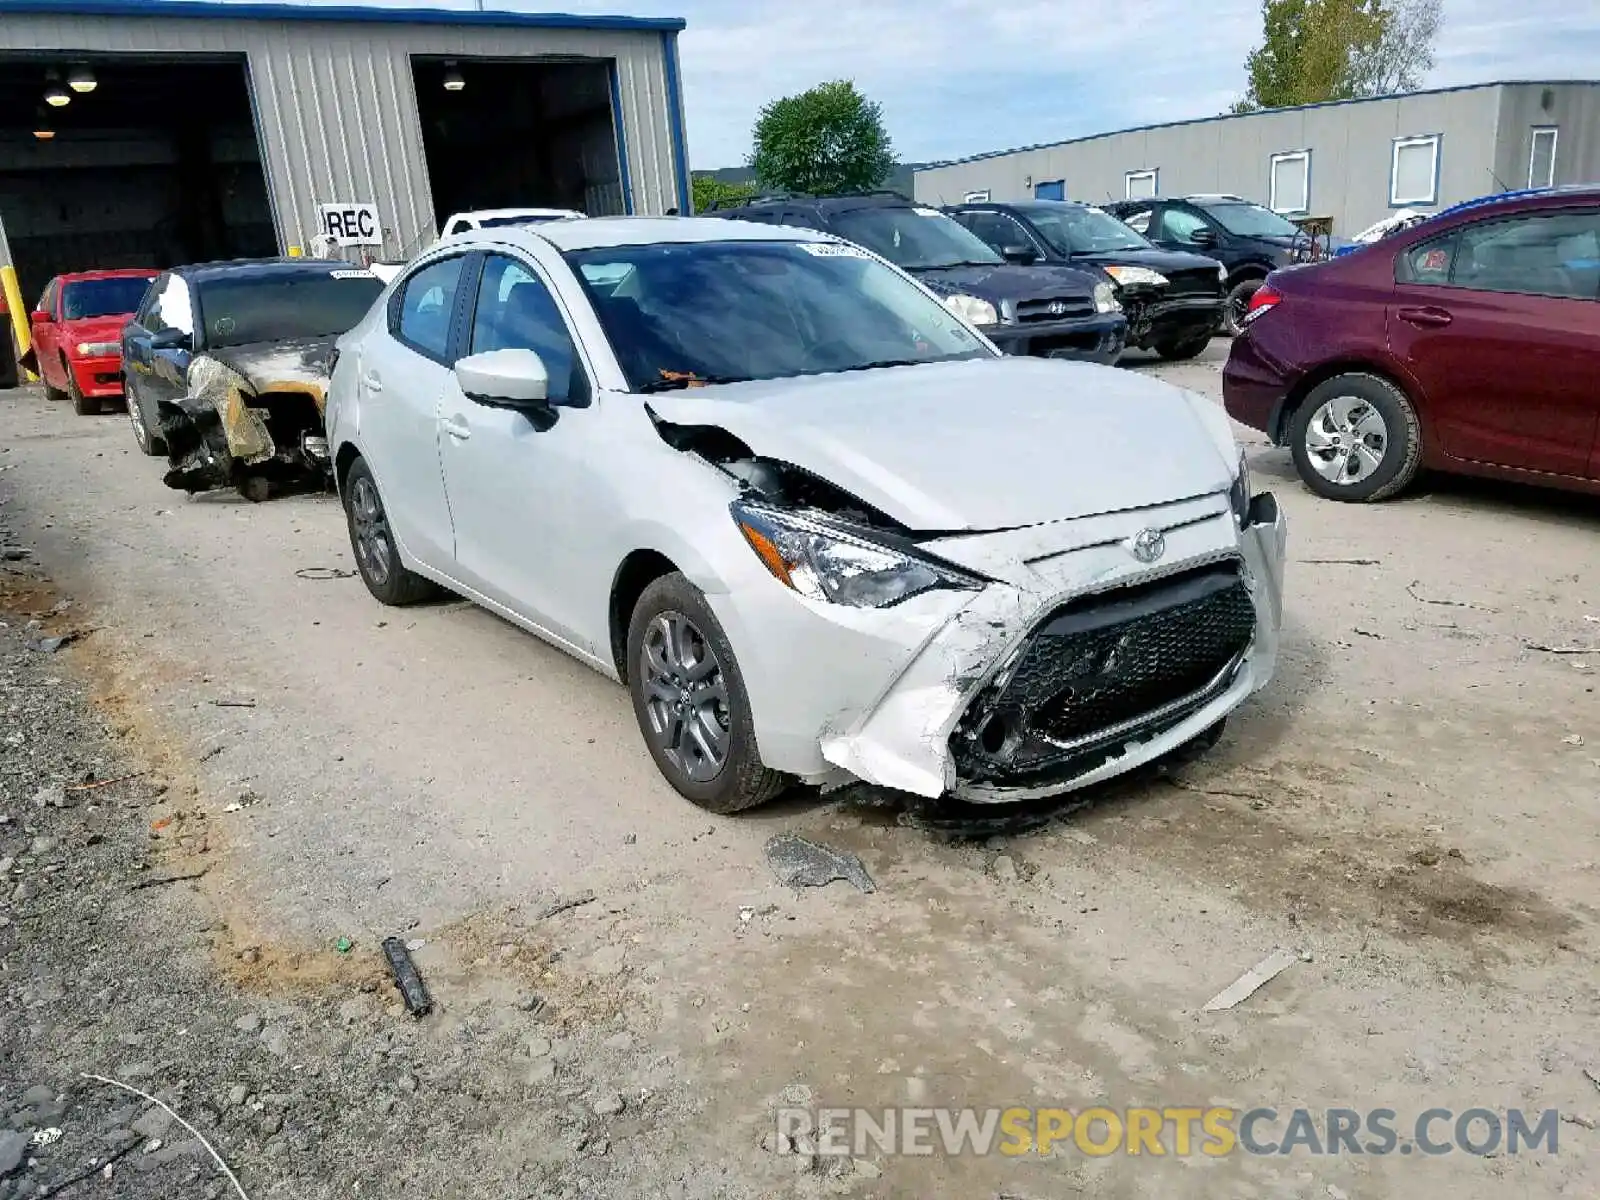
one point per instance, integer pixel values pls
(1468, 344)
(77, 334)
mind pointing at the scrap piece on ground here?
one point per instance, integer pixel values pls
(1256, 977)
(799, 862)
(561, 906)
(407, 978)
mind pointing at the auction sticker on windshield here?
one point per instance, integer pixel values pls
(831, 250)
(351, 275)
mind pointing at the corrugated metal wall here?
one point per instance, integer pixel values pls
(337, 108)
(1351, 148)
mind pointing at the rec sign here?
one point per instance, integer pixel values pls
(351, 224)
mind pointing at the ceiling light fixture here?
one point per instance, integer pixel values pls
(453, 82)
(82, 80)
(57, 96)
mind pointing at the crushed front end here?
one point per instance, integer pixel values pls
(252, 421)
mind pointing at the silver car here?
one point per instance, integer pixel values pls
(815, 522)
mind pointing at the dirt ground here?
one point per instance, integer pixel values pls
(1412, 805)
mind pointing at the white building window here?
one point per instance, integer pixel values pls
(1542, 159)
(1414, 171)
(975, 198)
(1141, 185)
(1291, 182)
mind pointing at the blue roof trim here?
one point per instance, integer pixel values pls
(619, 125)
(326, 13)
(680, 150)
(1265, 112)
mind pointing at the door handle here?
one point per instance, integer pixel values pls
(372, 383)
(1425, 318)
(456, 427)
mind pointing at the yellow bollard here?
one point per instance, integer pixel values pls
(19, 318)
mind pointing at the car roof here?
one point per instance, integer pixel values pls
(262, 268)
(118, 273)
(492, 214)
(593, 233)
(1523, 196)
(1024, 205)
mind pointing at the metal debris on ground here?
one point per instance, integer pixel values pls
(561, 906)
(407, 978)
(45, 1137)
(234, 703)
(324, 573)
(163, 880)
(1411, 589)
(1339, 562)
(101, 783)
(1252, 980)
(49, 645)
(161, 1104)
(1562, 649)
(802, 863)
(1592, 1078)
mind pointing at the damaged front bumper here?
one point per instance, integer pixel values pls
(227, 433)
(1076, 664)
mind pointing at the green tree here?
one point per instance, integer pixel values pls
(829, 139)
(1317, 50)
(708, 189)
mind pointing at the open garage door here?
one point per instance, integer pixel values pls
(157, 165)
(519, 134)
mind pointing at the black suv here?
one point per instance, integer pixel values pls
(1173, 300)
(1247, 238)
(1049, 311)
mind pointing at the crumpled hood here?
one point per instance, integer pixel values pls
(1011, 281)
(975, 445)
(268, 365)
(1165, 261)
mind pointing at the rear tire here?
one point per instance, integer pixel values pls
(372, 541)
(690, 701)
(1356, 437)
(1238, 303)
(1178, 351)
(84, 406)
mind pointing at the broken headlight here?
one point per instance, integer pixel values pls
(1129, 276)
(1239, 493)
(827, 561)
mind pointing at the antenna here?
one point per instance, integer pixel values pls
(1498, 182)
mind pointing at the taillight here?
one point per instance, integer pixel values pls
(1263, 301)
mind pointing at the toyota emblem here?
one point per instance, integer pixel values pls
(1148, 545)
(1057, 308)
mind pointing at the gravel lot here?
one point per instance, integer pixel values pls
(1412, 805)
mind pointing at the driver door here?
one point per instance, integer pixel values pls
(516, 481)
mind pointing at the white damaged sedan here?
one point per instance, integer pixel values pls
(815, 522)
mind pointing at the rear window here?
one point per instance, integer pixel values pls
(269, 308)
(103, 297)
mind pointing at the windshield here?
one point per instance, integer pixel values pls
(1251, 220)
(914, 238)
(684, 314)
(1073, 230)
(115, 297)
(536, 219)
(266, 308)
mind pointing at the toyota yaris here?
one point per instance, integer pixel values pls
(810, 517)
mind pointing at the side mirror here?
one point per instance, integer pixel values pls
(1019, 253)
(505, 379)
(40, 316)
(171, 339)
(1203, 237)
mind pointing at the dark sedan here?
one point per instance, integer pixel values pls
(228, 367)
(1173, 300)
(1466, 344)
(1047, 310)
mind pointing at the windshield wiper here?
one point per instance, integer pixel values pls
(688, 381)
(882, 362)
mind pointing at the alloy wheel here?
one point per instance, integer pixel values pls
(686, 696)
(374, 549)
(1346, 440)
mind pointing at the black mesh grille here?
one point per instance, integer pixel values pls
(1105, 661)
(1194, 283)
(1098, 678)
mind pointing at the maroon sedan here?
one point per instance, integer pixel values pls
(1468, 344)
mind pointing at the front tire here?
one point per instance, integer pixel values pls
(690, 701)
(1179, 350)
(1356, 437)
(371, 539)
(84, 406)
(1238, 303)
(149, 444)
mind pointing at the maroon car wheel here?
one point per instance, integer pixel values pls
(1356, 437)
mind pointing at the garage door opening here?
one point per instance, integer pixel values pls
(156, 166)
(519, 135)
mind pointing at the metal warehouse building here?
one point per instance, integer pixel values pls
(149, 132)
(1355, 161)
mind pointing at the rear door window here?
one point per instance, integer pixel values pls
(1556, 254)
(1428, 263)
(425, 307)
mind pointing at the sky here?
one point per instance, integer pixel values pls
(958, 77)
